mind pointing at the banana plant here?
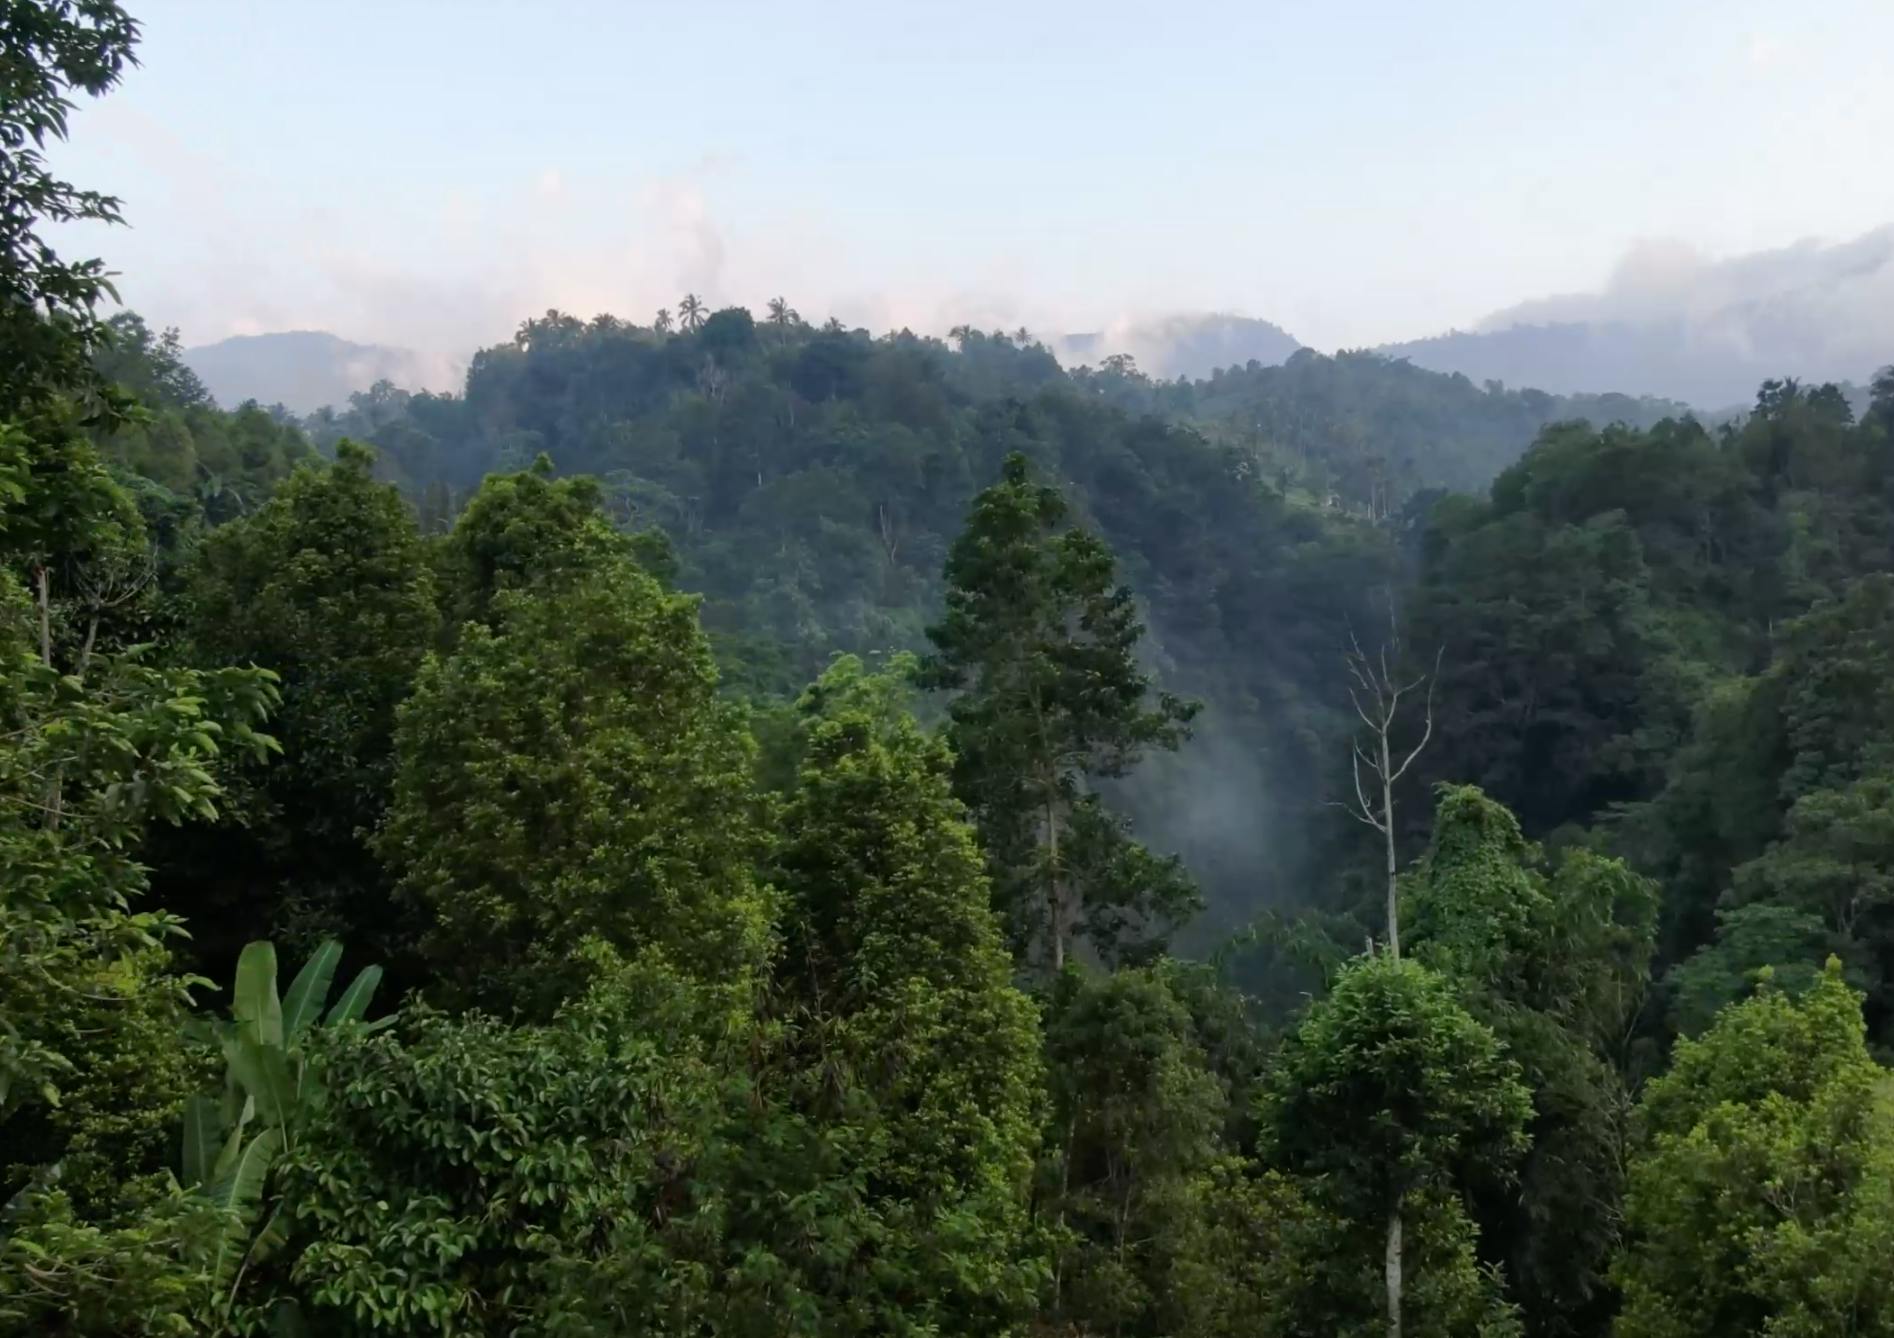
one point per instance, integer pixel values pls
(232, 1141)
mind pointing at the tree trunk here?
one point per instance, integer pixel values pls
(1387, 830)
(45, 616)
(1054, 896)
(1392, 1267)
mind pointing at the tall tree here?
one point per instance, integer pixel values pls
(328, 584)
(1040, 640)
(1375, 691)
(567, 775)
(782, 316)
(520, 529)
(1555, 961)
(912, 1042)
(1136, 1156)
(692, 313)
(1392, 1100)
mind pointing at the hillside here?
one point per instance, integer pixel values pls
(809, 482)
(1189, 346)
(303, 370)
(719, 829)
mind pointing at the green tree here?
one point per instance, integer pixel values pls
(1391, 1102)
(97, 744)
(149, 366)
(520, 529)
(459, 1175)
(1762, 1183)
(1135, 1152)
(1555, 962)
(692, 312)
(568, 773)
(1040, 639)
(328, 585)
(913, 1050)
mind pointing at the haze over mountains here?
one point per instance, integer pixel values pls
(1669, 322)
(1672, 322)
(302, 370)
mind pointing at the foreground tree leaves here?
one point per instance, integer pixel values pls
(567, 774)
(1390, 1098)
(1761, 1195)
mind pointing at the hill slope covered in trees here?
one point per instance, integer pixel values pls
(722, 984)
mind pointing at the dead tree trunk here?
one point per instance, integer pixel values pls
(1376, 696)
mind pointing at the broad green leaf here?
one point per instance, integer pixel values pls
(226, 1159)
(265, 1075)
(254, 1003)
(310, 990)
(241, 1188)
(355, 999)
(240, 1192)
(272, 1236)
(203, 1127)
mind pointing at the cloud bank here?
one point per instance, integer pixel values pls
(1672, 321)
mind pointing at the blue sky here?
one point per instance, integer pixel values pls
(427, 174)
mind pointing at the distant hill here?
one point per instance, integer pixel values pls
(1192, 346)
(1576, 357)
(302, 369)
(1671, 322)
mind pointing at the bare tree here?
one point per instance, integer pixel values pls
(1376, 694)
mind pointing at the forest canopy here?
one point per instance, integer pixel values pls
(742, 827)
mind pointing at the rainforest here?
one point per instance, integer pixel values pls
(724, 823)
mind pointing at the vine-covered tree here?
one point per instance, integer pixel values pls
(1394, 1102)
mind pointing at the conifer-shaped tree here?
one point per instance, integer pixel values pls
(1040, 639)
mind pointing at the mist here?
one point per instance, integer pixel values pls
(1673, 321)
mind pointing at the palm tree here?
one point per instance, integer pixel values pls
(782, 316)
(662, 321)
(692, 311)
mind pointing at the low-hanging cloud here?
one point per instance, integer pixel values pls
(1671, 320)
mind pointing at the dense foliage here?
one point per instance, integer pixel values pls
(767, 770)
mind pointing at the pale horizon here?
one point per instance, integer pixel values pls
(426, 178)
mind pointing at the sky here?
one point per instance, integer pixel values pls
(427, 173)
